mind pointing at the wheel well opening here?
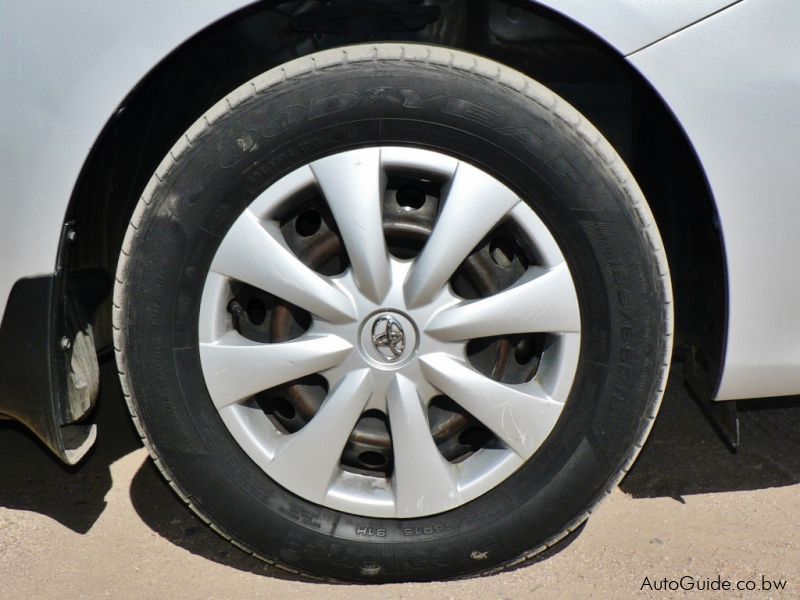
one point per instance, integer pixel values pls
(561, 55)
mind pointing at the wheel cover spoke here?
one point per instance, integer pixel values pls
(236, 368)
(353, 185)
(474, 205)
(315, 450)
(521, 419)
(251, 253)
(543, 301)
(424, 480)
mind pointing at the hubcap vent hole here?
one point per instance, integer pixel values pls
(256, 311)
(308, 223)
(456, 432)
(261, 317)
(292, 405)
(494, 265)
(411, 198)
(369, 449)
(372, 460)
(310, 232)
(508, 359)
(409, 209)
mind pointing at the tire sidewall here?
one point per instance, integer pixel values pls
(508, 135)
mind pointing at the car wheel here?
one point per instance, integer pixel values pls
(393, 312)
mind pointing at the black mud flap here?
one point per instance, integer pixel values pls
(723, 416)
(49, 376)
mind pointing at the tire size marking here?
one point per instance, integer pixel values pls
(430, 529)
(371, 531)
(300, 516)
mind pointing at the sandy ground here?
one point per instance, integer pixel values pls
(112, 528)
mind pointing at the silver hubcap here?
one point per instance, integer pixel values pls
(395, 337)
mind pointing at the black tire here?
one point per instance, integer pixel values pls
(462, 105)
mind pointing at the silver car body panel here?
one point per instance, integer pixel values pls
(65, 67)
(731, 80)
(630, 25)
(734, 83)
